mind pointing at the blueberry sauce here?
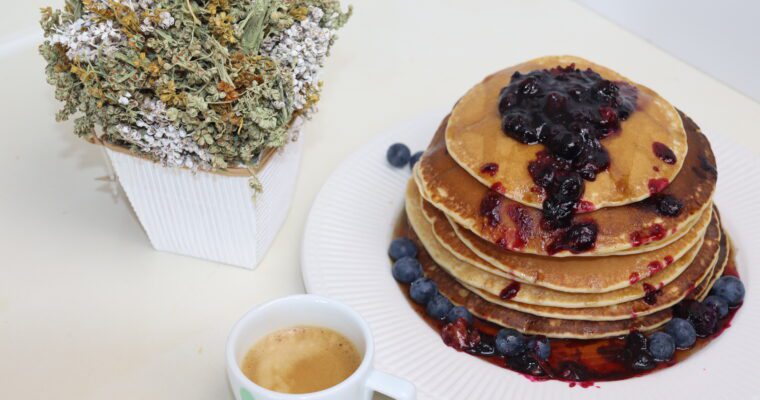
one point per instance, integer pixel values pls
(665, 205)
(580, 363)
(510, 291)
(580, 237)
(490, 207)
(523, 225)
(664, 153)
(651, 293)
(569, 111)
(489, 169)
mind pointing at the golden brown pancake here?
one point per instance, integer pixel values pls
(474, 137)
(670, 294)
(468, 274)
(527, 323)
(633, 228)
(703, 290)
(582, 274)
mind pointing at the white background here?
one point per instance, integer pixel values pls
(89, 311)
(722, 38)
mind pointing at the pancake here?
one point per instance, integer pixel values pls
(634, 228)
(670, 294)
(527, 323)
(576, 274)
(470, 275)
(474, 137)
(703, 290)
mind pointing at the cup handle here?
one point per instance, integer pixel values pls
(389, 385)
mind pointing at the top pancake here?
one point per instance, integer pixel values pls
(474, 137)
(458, 194)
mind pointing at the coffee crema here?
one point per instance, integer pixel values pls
(301, 359)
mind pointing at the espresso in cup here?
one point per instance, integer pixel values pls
(301, 359)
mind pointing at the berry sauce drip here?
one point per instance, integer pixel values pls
(664, 153)
(648, 235)
(510, 291)
(489, 169)
(569, 111)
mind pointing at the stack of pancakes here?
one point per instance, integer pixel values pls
(509, 271)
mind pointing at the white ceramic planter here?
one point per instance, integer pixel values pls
(208, 215)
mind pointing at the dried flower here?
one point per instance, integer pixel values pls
(302, 48)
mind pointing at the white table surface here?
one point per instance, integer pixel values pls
(89, 311)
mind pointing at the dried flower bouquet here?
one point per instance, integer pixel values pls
(203, 84)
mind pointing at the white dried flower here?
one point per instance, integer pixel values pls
(156, 135)
(84, 38)
(302, 48)
(166, 19)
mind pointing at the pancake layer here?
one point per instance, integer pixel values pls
(474, 137)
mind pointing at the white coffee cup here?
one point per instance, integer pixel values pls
(310, 310)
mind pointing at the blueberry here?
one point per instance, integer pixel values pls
(581, 237)
(558, 213)
(407, 270)
(459, 312)
(529, 86)
(518, 126)
(510, 342)
(402, 247)
(438, 307)
(642, 361)
(637, 353)
(662, 346)
(422, 290)
(704, 319)
(636, 342)
(507, 100)
(682, 331)
(398, 155)
(719, 304)
(563, 143)
(556, 104)
(541, 346)
(668, 205)
(567, 187)
(415, 157)
(730, 288)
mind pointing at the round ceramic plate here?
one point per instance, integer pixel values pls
(344, 257)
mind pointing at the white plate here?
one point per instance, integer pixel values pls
(344, 257)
